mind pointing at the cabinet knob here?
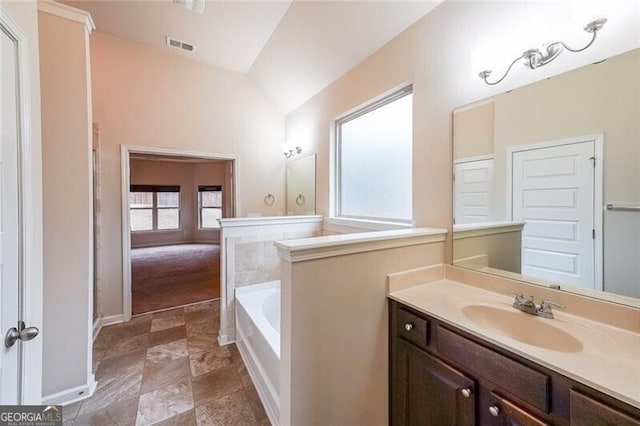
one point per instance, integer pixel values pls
(466, 392)
(494, 410)
(408, 326)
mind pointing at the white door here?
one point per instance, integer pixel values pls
(9, 219)
(553, 193)
(473, 189)
(20, 225)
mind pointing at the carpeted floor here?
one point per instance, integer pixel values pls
(168, 276)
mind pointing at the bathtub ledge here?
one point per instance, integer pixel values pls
(338, 245)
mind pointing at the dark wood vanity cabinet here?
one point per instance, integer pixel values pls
(440, 375)
(425, 385)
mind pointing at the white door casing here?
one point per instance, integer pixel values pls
(553, 190)
(125, 161)
(473, 190)
(20, 208)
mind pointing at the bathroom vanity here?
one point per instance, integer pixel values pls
(452, 364)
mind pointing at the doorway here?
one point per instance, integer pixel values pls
(171, 202)
(556, 189)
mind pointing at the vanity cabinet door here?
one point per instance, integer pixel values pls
(588, 411)
(428, 392)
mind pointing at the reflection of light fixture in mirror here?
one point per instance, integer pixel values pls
(535, 58)
(195, 6)
(289, 151)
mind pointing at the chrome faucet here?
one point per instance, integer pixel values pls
(529, 306)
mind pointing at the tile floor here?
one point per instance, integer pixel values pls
(167, 368)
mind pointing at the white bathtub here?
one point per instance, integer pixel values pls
(258, 339)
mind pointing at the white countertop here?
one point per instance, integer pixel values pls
(608, 362)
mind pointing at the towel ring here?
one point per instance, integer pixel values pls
(269, 199)
(300, 200)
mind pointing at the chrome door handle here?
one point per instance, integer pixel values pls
(21, 333)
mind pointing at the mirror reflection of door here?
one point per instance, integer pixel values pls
(473, 190)
(553, 192)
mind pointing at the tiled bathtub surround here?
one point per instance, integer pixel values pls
(255, 261)
(248, 256)
(167, 368)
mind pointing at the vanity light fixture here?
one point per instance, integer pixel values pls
(535, 58)
(290, 151)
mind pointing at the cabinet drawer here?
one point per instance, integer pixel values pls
(413, 328)
(531, 386)
(504, 412)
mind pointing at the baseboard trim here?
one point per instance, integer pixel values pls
(97, 326)
(174, 243)
(111, 319)
(75, 394)
(224, 340)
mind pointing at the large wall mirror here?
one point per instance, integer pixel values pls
(547, 181)
(301, 185)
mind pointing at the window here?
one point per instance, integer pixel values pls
(209, 206)
(374, 160)
(154, 207)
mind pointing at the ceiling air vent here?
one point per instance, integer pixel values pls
(172, 42)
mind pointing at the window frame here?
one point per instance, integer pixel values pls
(209, 188)
(154, 190)
(359, 112)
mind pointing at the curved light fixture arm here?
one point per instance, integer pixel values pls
(535, 58)
(486, 73)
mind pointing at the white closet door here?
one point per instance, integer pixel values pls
(553, 193)
(473, 189)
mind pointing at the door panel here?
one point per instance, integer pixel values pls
(553, 193)
(429, 392)
(9, 218)
(473, 189)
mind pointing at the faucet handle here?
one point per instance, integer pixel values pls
(545, 308)
(546, 304)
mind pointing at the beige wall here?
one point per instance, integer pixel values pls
(25, 15)
(473, 131)
(502, 250)
(335, 335)
(66, 152)
(148, 97)
(188, 176)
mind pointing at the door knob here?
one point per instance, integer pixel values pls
(408, 326)
(494, 410)
(21, 333)
(466, 392)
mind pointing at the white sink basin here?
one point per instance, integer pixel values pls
(523, 327)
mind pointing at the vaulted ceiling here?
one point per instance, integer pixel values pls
(292, 49)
